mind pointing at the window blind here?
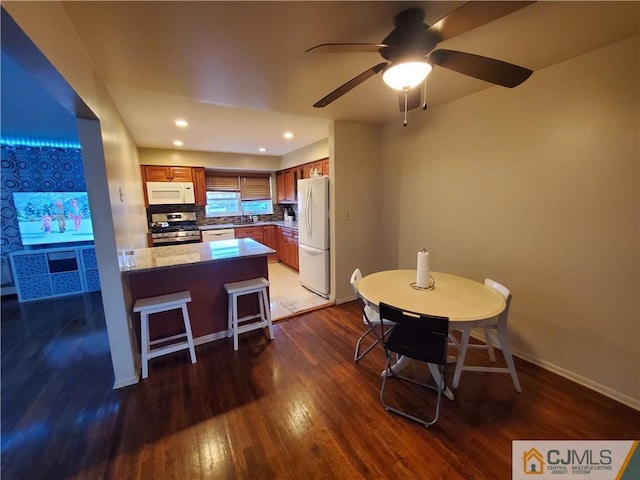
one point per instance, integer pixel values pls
(255, 188)
(221, 183)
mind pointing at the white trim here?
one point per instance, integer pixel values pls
(590, 384)
(212, 337)
(608, 392)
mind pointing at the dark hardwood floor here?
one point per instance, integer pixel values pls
(297, 407)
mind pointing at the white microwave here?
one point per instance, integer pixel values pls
(165, 193)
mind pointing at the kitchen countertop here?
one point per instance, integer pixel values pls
(279, 223)
(180, 255)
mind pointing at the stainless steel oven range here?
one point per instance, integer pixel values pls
(175, 228)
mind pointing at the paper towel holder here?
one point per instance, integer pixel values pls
(432, 285)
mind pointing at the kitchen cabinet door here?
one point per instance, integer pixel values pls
(317, 168)
(199, 186)
(325, 167)
(269, 235)
(181, 174)
(290, 186)
(286, 185)
(280, 186)
(288, 247)
(164, 173)
(306, 170)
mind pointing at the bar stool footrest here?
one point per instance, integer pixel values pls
(175, 347)
(252, 326)
(167, 339)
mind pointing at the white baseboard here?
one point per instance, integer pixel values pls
(125, 382)
(345, 300)
(212, 337)
(606, 391)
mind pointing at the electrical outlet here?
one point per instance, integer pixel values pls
(347, 215)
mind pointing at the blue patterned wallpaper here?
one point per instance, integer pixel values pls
(34, 169)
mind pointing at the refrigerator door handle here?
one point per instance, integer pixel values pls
(308, 213)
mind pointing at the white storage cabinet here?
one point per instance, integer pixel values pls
(54, 272)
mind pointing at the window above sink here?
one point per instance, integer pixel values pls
(228, 204)
(238, 194)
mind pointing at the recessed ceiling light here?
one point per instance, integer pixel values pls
(178, 143)
(181, 123)
(288, 135)
(262, 149)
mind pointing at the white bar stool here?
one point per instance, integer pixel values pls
(163, 303)
(246, 287)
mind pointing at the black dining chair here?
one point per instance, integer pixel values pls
(420, 337)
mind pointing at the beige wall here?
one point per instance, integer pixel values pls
(108, 151)
(213, 160)
(355, 219)
(537, 188)
(310, 153)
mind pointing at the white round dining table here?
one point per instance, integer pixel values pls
(463, 301)
(458, 298)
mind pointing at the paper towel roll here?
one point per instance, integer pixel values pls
(422, 279)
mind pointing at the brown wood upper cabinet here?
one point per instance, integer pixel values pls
(286, 179)
(164, 173)
(199, 185)
(167, 173)
(319, 167)
(286, 185)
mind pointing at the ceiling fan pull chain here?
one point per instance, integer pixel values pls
(424, 94)
(406, 94)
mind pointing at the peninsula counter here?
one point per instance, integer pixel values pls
(203, 269)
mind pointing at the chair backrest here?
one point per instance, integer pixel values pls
(504, 291)
(356, 276)
(431, 330)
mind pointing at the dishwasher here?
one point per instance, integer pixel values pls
(219, 234)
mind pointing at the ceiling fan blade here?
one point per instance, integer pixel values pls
(347, 48)
(414, 99)
(471, 15)
(354, 82)
(483, 68)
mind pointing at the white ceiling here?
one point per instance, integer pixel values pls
(238, 71)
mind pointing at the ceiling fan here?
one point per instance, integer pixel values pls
(410, 47)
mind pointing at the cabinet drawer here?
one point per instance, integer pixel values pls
(249, 232)
(290, 234)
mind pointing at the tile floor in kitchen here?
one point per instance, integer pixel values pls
(288, 297)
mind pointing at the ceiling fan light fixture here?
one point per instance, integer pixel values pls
(406, 75)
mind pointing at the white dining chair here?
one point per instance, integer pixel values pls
(370, 318)
(497, 325)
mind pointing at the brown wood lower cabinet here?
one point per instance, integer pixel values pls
(269, 235)
(288, 246)
(284, 240)
(265, 235)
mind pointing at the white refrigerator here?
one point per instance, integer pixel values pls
(313, 234)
